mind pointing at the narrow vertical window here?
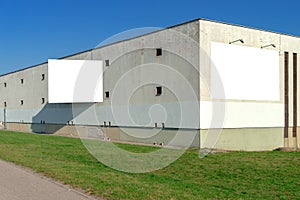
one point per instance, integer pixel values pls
(5, 104)
(43, 100)
(107, 94)
(22, 102)
(106, 63)
(22, 81)
(286, 94)
(158, 91)
(43, 77)
(295, 94)
(158, 52)
(5, 84)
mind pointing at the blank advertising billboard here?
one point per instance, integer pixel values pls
(246, 73)
(75, 81)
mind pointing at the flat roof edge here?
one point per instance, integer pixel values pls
(173, 26)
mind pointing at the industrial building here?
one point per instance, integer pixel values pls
(202, 84)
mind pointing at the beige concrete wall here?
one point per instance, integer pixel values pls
(44, 129)
(171, 137)
(112, 133)
(298, 137)
(246, 139)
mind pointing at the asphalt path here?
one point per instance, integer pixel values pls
(18, 183)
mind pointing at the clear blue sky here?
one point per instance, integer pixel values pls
(34, 30)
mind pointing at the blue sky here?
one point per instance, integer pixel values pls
(33, 31)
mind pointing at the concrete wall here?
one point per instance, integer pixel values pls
(132, 76)
(250, 119)
(247, 139)
(31, 91)
(175, 70)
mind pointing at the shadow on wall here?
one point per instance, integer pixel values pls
(53, 117)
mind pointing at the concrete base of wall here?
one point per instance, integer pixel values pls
(184, 138)
(173, 137)
(242, 139)
(292, 142)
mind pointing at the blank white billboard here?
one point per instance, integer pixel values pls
(246, 73)
(75, 81)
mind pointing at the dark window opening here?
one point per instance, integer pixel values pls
(106, 63)
(107, 94)
(22, 102)
(43, 100)
(22, 81)
(43, 77)
(4, 84)
(5, 104)
(158, 91)
(158, 52)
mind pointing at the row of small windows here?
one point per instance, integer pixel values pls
(158, 92)
(158, 53)
(22, 102)
(22, 80)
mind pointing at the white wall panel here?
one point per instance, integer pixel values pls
(75, 81)
(242, 115)
(246, 73)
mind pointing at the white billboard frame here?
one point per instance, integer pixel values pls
(247, 73)
(75, 81)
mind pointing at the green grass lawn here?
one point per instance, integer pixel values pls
(234, 175)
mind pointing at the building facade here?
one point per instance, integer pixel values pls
(200, 84)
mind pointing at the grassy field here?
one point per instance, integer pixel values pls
(235, 175)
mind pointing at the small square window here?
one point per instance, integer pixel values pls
(22, 81)
(158, 91)
(106, 63)
(159, 52)
(5, 84)
(22, 102)
(43, 77)
(43, 100)
(107, 94)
